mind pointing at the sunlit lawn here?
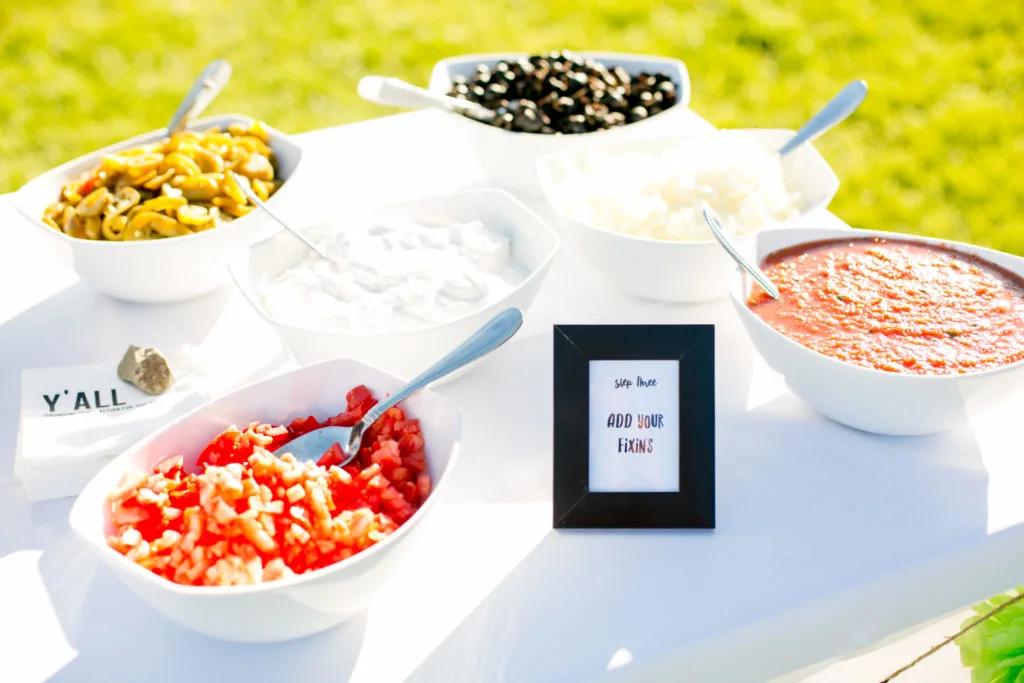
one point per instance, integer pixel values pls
(936, 148)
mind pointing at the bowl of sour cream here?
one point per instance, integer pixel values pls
(404, 284)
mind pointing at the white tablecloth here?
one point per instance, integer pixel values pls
(828, 540)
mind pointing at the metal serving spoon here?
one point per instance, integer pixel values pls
(206, 87)
(394, 92)
(247, 190)
(838, 108)
(718, 230)
(313, 445)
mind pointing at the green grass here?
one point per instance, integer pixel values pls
(935, 148)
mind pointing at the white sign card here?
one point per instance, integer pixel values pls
(634, 426)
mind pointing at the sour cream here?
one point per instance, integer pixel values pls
(394, 275)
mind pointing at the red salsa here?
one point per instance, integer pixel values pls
(896, 305)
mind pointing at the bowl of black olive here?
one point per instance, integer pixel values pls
(547, 102)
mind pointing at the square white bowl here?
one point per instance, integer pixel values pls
(533, 246)
(299, 605)
(678, 271)
(509, 158)
(162, 270)
(864, 398)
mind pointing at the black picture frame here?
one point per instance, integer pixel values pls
(575, 505)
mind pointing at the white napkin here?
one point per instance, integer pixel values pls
(75, 419)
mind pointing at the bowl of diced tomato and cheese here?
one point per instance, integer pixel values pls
(222, 531)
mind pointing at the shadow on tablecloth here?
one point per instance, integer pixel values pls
(810, 513)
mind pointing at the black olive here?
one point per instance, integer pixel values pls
(616, 118)
(557, 84)
(576, 81)
(576, 123)
(637, 114)
(564, 104)
(561, 92)
(496, 91)
(528, 120)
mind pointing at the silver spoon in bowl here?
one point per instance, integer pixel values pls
(394, 92)
(718, 230)
(837, 109)
(312, 445)
(247, 190)
(206, 87)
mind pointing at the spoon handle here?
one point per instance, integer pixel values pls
(395, 92)
(207, 86)
(247, 190)
(715, 225)
(841, 106)
(489, 337)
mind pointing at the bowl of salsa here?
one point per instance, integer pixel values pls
(884, 332)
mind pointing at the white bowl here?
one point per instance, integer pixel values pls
(863, 398)
(509, 158)
(533, 246)
(677, 271)
(299, 605)
(164, 270)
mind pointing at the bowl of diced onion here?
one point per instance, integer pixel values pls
(634, 209)
(175, 249)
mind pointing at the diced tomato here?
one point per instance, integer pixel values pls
(301, 425)
(346, 419)
(185, 496)
(407, 426)
(387, 479)
(357, 396)
(171, 467)
(395, 505)
(417, 462)
(386, 455)
(423, 485)
(410, 492)
(226, 448)
(410, 443)
(332, 456)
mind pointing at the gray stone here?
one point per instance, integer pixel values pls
(147, 369)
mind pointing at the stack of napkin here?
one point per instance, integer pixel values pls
(76, 419)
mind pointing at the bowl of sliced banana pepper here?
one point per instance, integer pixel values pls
(156, 218)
